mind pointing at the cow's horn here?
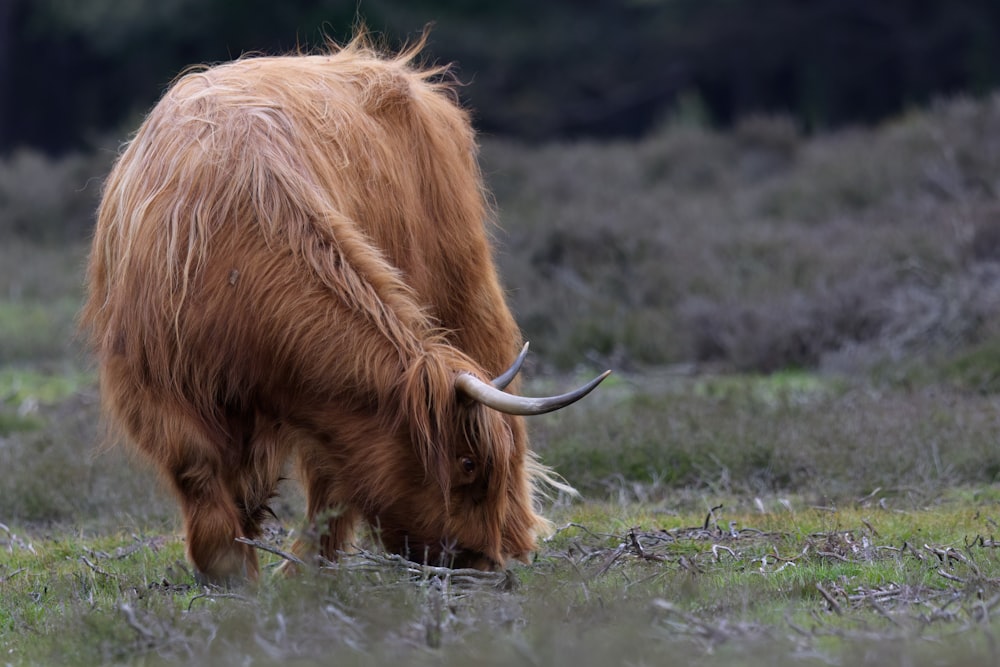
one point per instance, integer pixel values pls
(501, 381)
(490, 396)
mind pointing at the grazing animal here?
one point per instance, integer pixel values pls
(291, 260)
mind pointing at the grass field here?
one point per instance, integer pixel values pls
(795, 462)
(767, 581)
(701, 538)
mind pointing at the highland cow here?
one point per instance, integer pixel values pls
(291, 260)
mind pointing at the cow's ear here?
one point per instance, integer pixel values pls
(429, 445)
(488, 433)
(433, 413)
(438, 468)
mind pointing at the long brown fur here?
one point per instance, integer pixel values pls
(291, 259)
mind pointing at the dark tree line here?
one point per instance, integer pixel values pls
(71, 71)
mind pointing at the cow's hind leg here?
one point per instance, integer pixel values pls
(331, 521)
(256, 479)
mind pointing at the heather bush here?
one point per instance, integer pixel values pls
(757, 248)
(49, 199)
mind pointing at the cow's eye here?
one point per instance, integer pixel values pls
(468, 465)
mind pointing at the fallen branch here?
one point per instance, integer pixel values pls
(7, 577)
(639, 550)
(133, 622)
(578, 526)
(274, 550)
(880, 595)
(710, 519)
(830, 600)
(874, 603)
(216, 596)
(950, 577)
(716, 548)
(610, 561)
(364, 560)
(831, 554)
(103, 573)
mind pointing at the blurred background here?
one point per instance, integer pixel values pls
(783, 189)
(692, 180)
(71, 71)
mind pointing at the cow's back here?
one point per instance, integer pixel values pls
(249, 184)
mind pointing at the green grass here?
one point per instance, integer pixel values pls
(789, 586)
(883, 540)
(19, 385)
(37, 330)
(24, 390)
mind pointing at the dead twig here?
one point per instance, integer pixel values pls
(687, 564)
(873, 602)
(981, 612)
(15, 541)
(615, 555)
(796, 627)
(950, 577)
(710, 519)
(945, 555)
(916, 554)
(786, 559)
(274, 550)
(362, 560)
(870, 497)
(640, 551)
(7, 577)
(208, 595)
(133, 622)
(830, 600)
(710, 633)
(716, 548)
(836, 556)
(579, 527)
(103, 573)
(154, 543)
(880, 594)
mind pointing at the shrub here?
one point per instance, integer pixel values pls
(758, 248)
(49, 199)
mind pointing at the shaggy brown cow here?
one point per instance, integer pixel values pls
(290, 260)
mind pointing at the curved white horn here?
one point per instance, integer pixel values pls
(505, 378)
(490, 396)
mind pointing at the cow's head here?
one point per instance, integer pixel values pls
(472, 501)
